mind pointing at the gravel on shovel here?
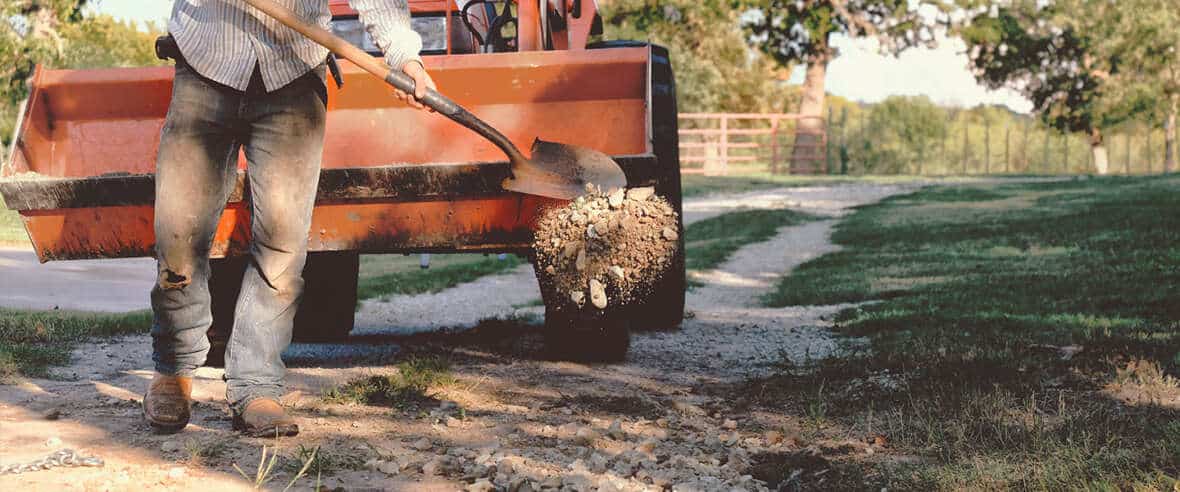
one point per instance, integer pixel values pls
(606, 248)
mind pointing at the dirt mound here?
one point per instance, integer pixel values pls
(606, 249)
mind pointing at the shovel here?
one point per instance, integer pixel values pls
(555, 170)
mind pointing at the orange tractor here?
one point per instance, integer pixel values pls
(394, 179)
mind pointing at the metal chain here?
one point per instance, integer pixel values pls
(59, 458)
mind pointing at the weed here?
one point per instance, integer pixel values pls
(263, 473)
(414, 378)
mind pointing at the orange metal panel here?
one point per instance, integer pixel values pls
(92, 122)
(492, 224)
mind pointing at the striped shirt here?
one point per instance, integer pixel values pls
(223, 40)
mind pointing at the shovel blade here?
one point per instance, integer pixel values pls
(562, 171)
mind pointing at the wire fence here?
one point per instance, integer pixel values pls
(959, 143)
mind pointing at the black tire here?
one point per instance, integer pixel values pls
(326, 313)
(664, 309)
(328, 309)
(588, 335)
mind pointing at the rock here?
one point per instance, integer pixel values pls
(686, 408)
(452, 422)
(601, 227)
(615, 199)
(578, 297)
(176, 473)
(641, 194)
(550, 270)
(597, 294)
(520, 484)
(551, 482)
(53, 414)
(729, 424)
(580, 263)
(648, 446)
(670, 234)
(578, 483)
(615, 431)
(421, 444)
(772, 437)
(597, 463)
(571, 249)
(585, 436)
(437, 466)
(171, 446)
(388, 467)
(481, 485)
(616, 272)
(53, 442)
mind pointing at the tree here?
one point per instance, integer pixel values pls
(56, 33)
(800, 31)
(715, 69)
(904, 129)
(1049, 51)
(1141, 36)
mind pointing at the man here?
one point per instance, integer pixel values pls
(244, 81)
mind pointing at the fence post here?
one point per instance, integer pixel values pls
(724, 144)
(987, 145)
(1127, 162)
(966, 144)
(1007, 148)
(1024, 147)
(943, 161)
(843, 141)
(1045, 156)
(1065, 152)
(827, 147)
(1150, 155)
(774, 145)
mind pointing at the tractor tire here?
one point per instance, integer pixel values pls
(328, 309)
(664, 309)
(326, 312)
(586, 336)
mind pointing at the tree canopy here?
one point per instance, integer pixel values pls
(58, 33)
(715, 70)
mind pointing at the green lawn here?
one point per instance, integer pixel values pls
(1009, 325)
(32, 341)
(12, 231)
(385, 275)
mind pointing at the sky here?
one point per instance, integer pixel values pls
(860, 73)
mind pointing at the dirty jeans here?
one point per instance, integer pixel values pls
(282, 134)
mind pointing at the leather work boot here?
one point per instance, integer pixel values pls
(167, 405)
(264, 417)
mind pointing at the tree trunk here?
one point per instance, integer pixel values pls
(1101, 164)
(1170, 137)
(805, 156)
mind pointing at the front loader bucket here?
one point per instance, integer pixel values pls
(394, 180)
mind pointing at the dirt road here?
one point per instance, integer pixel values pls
(509, 420)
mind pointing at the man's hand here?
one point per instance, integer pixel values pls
(422, 81)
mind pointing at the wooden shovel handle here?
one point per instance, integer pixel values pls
(396, 78)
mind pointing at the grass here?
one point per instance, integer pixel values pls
(12, 231)
(32, 341)
(385, 275)
(410, 385)
(756, 178)
(709, 242)
(1021, 336)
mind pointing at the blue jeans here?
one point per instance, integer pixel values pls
(282, 134)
